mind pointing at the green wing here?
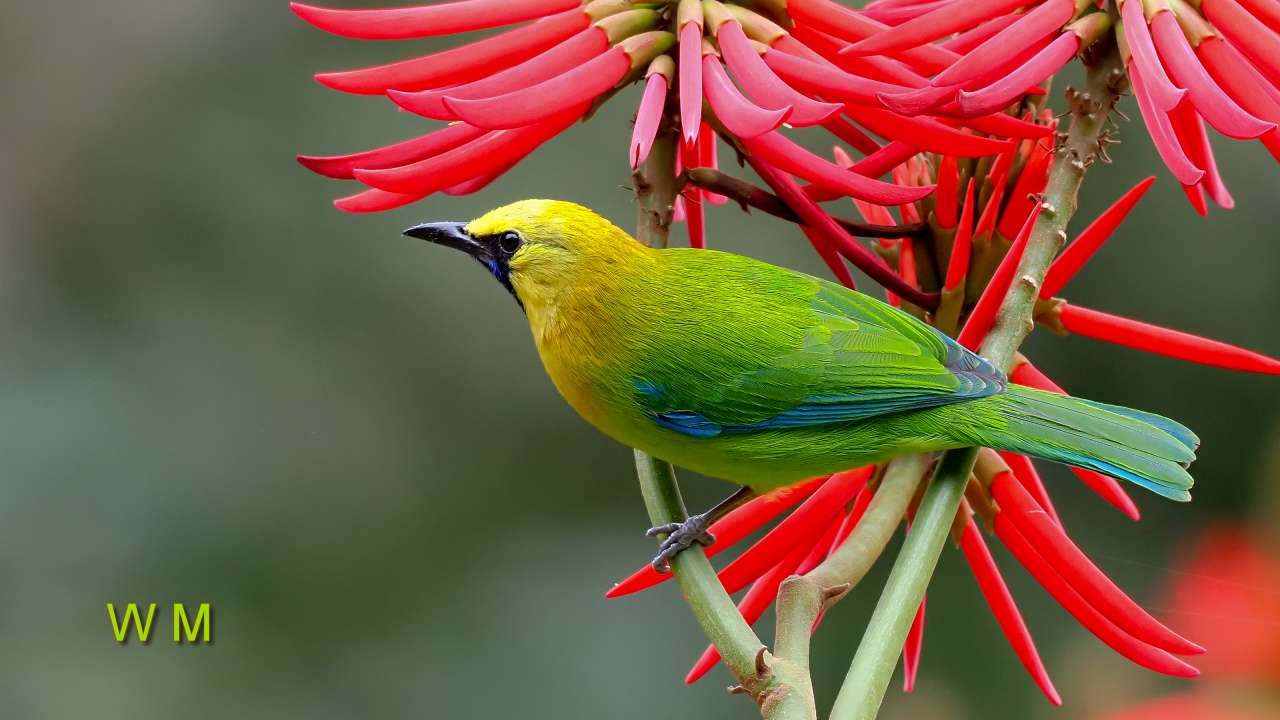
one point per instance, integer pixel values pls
(777, 349)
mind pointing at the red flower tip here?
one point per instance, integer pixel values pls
(911, 650)
(371, 201)
(789, 157)
(987, 221)
(496, 149)
(970, 39)
(728, 530)
(1032, 180)
(885, 159)
(1139, 652)
(690, 81)
(536, 103)
(827, 81)
(916, 102)
(1109, 489)
(1036, 25)
(1079, 252)
(763, 85)
(944, 202)
(1019, 508)
(404, 153)
(1025, 472)
(984, 312)
(564, 57)
(1209, 100)
(739, 115)
(1163, 341)
(1246, 33)
(806, 524)
(1164, 95)
(958, 267)
(934, 25)
(1000, 600)
(1013, 85)
(1162, 133)
(923, 133)
(462, 64)
(649, 114)
(846, 24)
(428, 20)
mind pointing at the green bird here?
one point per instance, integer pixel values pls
(765, 377)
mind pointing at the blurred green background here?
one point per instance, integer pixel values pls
(217, 388)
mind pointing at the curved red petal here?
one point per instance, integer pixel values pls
(1000, 600)
(1163, 341)
(970, 39)
(1087, 243)
(462, 64)
(497, 148)
(763, 85)
(934, 25)
(876, 67)
(789, 157)
(1027, 475)
(911, 649)
(739, 115)
(1139, 652)
(428, 20)
(1051, 543)
(958, 265)
(1247, 33)
(984, 312)
(342, 167)
(371, 201)
(728, 530)
(924, 133)
(537, 103)
(1043, 21)
(558, 60)
(893, 16)
(827, 81)
(1164, 95)
(1212, 103)
(847, 24)
(944, 202)
(1244, 83)
(1031, 182)
(648, 118)
(1161, 131)
(690, 81)
(999, 94)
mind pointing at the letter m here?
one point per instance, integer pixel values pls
(193, 632)
(131, 611)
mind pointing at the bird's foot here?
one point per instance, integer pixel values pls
(680, 536)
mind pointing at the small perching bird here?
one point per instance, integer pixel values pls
(765, 377)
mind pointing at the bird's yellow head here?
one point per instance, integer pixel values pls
(536, 248)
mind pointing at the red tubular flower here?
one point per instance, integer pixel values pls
(1163, 341)
(739, 115)
(984, 313)
(911, 650)
(1244, 83)
(1041, 22)
(789, 157)
(689, 22)
(827, 81)
(1126, 645)
(846, 24)
(1208, 99)
(1012, 86)
(572, 53)
(649, 115)
(429, 20)
(731, 528)
(1087, 243)
(1024, 471)
(410, 151)
(761, 82)
(968, 40)
(939, 23)
(1164, 95)
(1076, 569)
(536, 103)
(958, 267)
(465, 64)
(809, 520)
(1162, 132)
(490, 152)
(1000, 600)
(1247, 33)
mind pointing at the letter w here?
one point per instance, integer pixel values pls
(131, 611)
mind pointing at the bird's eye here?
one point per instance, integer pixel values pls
(509, 242)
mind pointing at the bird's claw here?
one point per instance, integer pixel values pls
(680, 535)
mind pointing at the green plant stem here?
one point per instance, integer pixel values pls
(872, 668)
(715, 611)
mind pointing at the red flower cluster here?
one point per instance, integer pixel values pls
(1006, 492)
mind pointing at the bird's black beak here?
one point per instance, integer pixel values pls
(449, 234)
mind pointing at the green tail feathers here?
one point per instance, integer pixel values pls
(1140, 447)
